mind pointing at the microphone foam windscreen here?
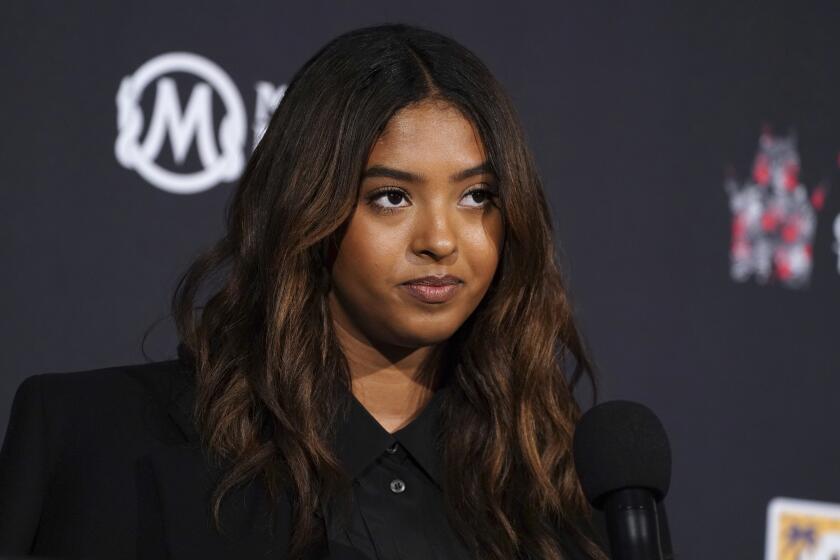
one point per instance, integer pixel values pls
(621, 444)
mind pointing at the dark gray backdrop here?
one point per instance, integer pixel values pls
(634, 113)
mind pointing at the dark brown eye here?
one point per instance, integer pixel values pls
(481, 195)
(394, 197)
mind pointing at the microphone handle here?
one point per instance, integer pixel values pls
(632, 525)
(664, 532)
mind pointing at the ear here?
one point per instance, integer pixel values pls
(330, 248)
(326, 253)
(332, 252)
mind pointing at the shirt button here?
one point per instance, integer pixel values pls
(397, 486)
(393, 448)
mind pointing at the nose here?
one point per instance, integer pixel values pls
(435, 235)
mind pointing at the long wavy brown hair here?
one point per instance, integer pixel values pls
(269, 370)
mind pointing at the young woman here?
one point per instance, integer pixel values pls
(381, 372)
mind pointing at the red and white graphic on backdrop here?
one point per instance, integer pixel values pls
(774, 218)
(836, 244)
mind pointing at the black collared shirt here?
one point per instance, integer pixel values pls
(396, 506)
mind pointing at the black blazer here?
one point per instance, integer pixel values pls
(106, 464)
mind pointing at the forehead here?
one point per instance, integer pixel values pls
(431, 131)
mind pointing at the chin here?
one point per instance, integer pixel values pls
(429, 335)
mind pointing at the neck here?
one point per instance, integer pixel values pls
(391, 388)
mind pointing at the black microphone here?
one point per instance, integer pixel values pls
(623, 462)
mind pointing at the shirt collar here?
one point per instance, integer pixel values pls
(360, 438)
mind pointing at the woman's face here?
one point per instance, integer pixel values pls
(424, 209)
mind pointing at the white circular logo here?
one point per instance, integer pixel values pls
(221, 163)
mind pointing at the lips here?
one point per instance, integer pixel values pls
(433, 289)
(442, 280)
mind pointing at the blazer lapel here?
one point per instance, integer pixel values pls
(175, 514)
(175, 483)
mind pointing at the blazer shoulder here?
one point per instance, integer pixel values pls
(153, 379)
(73, 439)
(77, 409)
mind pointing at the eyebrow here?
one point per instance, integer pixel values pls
(382, 171)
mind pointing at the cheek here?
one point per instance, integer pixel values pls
(370, 254)
(484, 248)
